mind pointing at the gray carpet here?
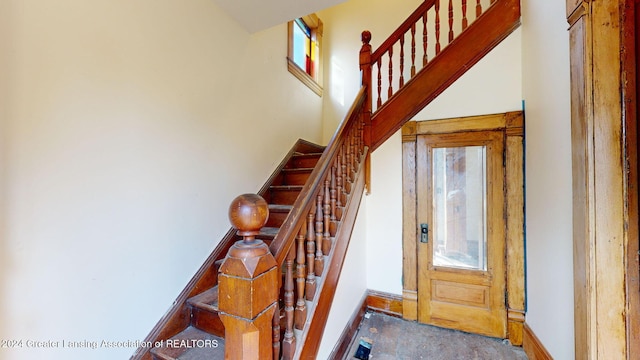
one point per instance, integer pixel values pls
(394, 338)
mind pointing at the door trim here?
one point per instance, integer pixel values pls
(512, 123)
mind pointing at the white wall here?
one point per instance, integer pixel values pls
(127, 128)
(548, 175)
(351, 287)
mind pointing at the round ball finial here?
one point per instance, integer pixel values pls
(366, 37)
(248, 213)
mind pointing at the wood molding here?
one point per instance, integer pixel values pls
(532, 345)
(385, 303)
(500, 20)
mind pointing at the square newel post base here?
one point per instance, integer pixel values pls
(249, 339)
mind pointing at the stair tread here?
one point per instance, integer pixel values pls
(191, 344)
(269, 231)
(280, 207)
(206, 300)
(286, 187)
(293, 170)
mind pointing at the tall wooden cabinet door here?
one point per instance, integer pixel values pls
(461, 242)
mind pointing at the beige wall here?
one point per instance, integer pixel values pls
(548, 176)
(127, 128)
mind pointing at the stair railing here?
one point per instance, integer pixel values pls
(391, 70)
(308, 251)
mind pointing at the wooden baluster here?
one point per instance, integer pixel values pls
(339, 180)
(276, 332)
(379, 102)
(437, 7)
(478, 9)
(413, 50)
(346, 181)
(425, 39)
(465, 22)
(333, 192)
(450, 21)
(326, 239)
(319, 265)
(401, 80)
(310, 288)
(289, 341)
(390, 91)
(347, 150)
(248, 283)
(301, 304)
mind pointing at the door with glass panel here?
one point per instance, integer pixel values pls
(461, 227)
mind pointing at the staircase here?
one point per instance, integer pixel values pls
(313, 196)
(192, 329)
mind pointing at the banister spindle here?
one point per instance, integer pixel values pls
(301, 304)
(289, 341)
(248, 284)
(401, 80)
(478, 9)
(347, 149)
(465, 22)
(413, 50)
(310, 288)
(333, 192)
(319, 261)
(326, 238)
(425, 40)
(275, 345)
(450, 21)
(390, 91)
(437, 8)
(379, 102)
(339, 180)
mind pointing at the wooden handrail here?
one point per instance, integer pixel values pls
(288, 231)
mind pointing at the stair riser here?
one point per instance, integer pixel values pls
(207, 321)
(284, 196)
(296, 178)
(276, 219)
(304, 161)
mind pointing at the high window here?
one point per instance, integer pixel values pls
(305, 51)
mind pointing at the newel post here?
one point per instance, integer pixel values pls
(365, 74)
(248, 284)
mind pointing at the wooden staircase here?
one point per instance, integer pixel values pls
(314, 195)
(192, 329)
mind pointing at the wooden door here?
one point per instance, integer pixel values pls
(460, 215)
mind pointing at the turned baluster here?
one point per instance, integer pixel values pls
(450, 21)
(347, 151)
(301, 304)
(248, 284)
(339, 179)
(379, 102)
(401, 81)
(437, 7)
(390, 91)
(310, 288)
(319, 265)
(346, 181)
(333, 192)
(413, 50)
(289, 341)
(326, 239)
(425, 39)
(478, 9)
(276, 333)
(465, 22)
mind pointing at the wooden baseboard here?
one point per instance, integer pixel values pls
(385, 303)
(375, 301)
(532, 345)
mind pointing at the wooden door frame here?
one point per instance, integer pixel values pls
(512, 123)
(605, 171)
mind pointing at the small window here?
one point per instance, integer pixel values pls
(305, 51)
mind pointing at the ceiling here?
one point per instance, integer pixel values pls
(256, 15)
